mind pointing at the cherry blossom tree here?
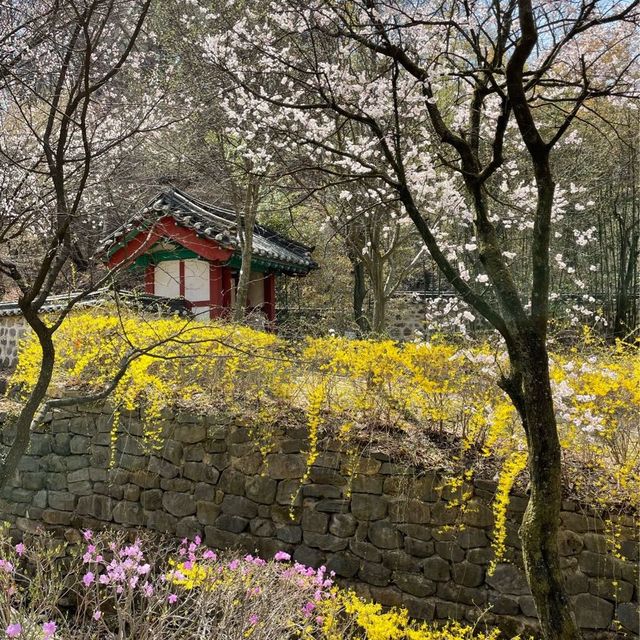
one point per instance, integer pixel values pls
(460, 108)
(78, 88)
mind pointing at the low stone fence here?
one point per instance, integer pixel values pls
(12, 328)
(394, 533)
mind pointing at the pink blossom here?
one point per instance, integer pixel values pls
(88, 578)
(147, 589)
(49, 629)
(172, 599)
(97, 614)
(87, 534)
(282, 556)
(13, 630)
(6, 566)
(209, 555)
(253, 619)
(133, 550)
(20, 548)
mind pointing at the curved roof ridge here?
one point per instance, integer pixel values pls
(217, 224)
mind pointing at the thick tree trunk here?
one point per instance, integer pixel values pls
(246, 222)
(379, 323)
(244, 279)
(30, 410)
(541, 521)
(379, 319)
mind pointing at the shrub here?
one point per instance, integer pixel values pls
(114, 587)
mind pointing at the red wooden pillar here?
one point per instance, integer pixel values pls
(183, 280)
(269, 306)
(150, 279)
(216, 293)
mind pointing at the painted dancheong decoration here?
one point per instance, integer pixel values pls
(189, 249)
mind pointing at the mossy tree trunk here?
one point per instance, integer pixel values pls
(529, 388)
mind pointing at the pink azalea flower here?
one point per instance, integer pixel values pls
(88, 578)
(20, 548)
(253, 619)
(209, 555)
(87, 534)
(6, 566)
(282, 556)
(172, 599)
(49, 629)
(13, 630)
(97, 614)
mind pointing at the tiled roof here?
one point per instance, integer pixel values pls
(217, 224)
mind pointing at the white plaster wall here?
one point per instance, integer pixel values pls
(167, 279)
(196, 280)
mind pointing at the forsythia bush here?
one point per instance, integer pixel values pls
(412, 396)
(144, 589)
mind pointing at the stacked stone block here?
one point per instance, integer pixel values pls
(12, 328)
(393, 533)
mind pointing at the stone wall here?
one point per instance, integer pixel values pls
(406, 318)
(388, 530)
(12, 329)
